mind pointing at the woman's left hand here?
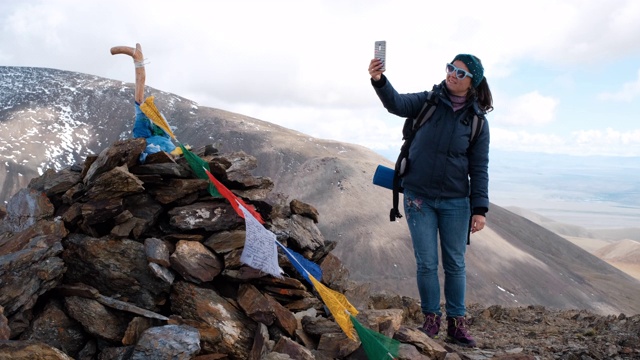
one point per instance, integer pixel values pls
(375, 69)
(477, 223)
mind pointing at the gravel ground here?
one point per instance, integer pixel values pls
(535, 332)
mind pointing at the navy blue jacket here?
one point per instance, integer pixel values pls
(442, 163)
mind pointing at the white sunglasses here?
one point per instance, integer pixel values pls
(460, 73)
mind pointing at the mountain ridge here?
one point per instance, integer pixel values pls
(81, 114)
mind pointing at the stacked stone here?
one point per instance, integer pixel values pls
(111, 259)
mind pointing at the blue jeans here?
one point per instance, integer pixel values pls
(426, 218)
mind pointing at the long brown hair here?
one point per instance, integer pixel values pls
(483, 93)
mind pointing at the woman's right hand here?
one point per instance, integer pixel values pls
(375, 69)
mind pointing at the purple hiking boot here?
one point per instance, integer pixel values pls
(458, 333)
(431, 325)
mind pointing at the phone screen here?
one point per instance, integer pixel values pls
(381, 53)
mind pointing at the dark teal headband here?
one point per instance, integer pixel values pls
(475, 67)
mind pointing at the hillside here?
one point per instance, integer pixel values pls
(624, 254)
(52, 119)
(615, 246)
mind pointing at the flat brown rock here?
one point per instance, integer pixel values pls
(125, 152)
(27, 350)
(195, 262)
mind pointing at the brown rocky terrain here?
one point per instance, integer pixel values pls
(109, 259)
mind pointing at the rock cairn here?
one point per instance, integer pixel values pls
(111, 259)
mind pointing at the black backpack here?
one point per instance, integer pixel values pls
(409, 131)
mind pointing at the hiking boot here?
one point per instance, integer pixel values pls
(458, 333)
(431, 325)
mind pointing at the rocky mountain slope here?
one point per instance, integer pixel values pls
(113, 260)
(51, 119)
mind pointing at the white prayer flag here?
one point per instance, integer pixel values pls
(260, 249)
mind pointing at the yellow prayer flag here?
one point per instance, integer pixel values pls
(338, 305)
(152, 112)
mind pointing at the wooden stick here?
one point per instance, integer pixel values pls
(138, 58)
(127, 50)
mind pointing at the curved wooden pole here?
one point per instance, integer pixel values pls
(127, 50)
(138, 60)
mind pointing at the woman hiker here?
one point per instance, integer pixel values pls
(157, 139)
(446, 186)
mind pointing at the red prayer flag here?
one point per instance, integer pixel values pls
(234, 200)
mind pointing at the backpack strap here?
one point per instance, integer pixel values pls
(476, 127)
(411, 126)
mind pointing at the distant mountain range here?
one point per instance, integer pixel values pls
(595, 192)
(53, 119)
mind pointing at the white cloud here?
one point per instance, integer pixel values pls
(302, 65)
(583, 142)
(363, 127)
(605, 142)
(300, 52)
(531, 109)
(629, 92)
(520, 140)
(607, 137)
(562, 32)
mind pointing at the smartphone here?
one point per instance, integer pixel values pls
(381, 53)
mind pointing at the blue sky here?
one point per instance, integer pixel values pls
(588, 106)
(565, 74)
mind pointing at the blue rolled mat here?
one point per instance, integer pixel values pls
(383, 177)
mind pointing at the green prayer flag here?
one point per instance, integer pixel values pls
(376, 345)
(198, 165)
